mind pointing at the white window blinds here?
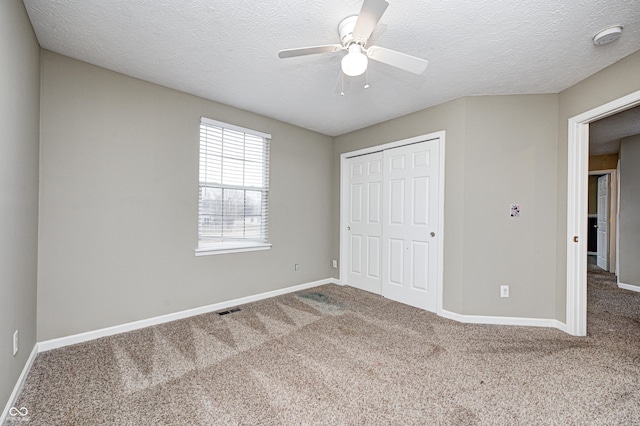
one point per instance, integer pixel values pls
(234, 184)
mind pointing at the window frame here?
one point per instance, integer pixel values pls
(236, 245)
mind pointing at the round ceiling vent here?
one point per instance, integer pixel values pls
(607, 35)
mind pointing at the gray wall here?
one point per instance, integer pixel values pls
(19, 124)
(613, 82)
(499, 150)
(629, 272)
(510, 158)
(118, 203)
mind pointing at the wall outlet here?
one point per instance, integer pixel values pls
(504, 291)
(334, 263)
(296, 266)
(15, 342)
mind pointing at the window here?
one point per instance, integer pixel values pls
(234, 188)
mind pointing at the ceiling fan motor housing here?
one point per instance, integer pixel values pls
(345, 30)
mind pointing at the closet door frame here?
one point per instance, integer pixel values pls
(344, 192)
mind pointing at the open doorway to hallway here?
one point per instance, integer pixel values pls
(608, 139)
(577, 196)
(614, 143)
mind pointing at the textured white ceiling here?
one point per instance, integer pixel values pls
(226, 50)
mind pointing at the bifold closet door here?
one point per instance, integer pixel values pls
(410, 224)
(392, 223)
(364, 223)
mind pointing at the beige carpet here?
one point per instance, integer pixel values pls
(336, 355)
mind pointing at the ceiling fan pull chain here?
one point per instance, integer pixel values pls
(342, 80)
(366, 79)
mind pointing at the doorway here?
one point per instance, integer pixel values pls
(577, 196)
(391, 220)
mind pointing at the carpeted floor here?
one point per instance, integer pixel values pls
(337, 355)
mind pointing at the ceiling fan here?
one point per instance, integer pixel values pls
(354, 33)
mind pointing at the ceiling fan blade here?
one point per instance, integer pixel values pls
(397, 59)
(368, 18)
(302, 51)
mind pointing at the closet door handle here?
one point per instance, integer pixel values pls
(433, 234)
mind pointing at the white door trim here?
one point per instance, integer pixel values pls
(617, 230)
(577, 197)
(344, 193)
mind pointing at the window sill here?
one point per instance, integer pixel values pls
(231, 247)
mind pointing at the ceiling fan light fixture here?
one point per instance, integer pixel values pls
(354, 32)
(355, 62)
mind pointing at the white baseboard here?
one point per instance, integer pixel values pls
(629, 287)
(18, 387)
(527, 322)
(122, 328)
